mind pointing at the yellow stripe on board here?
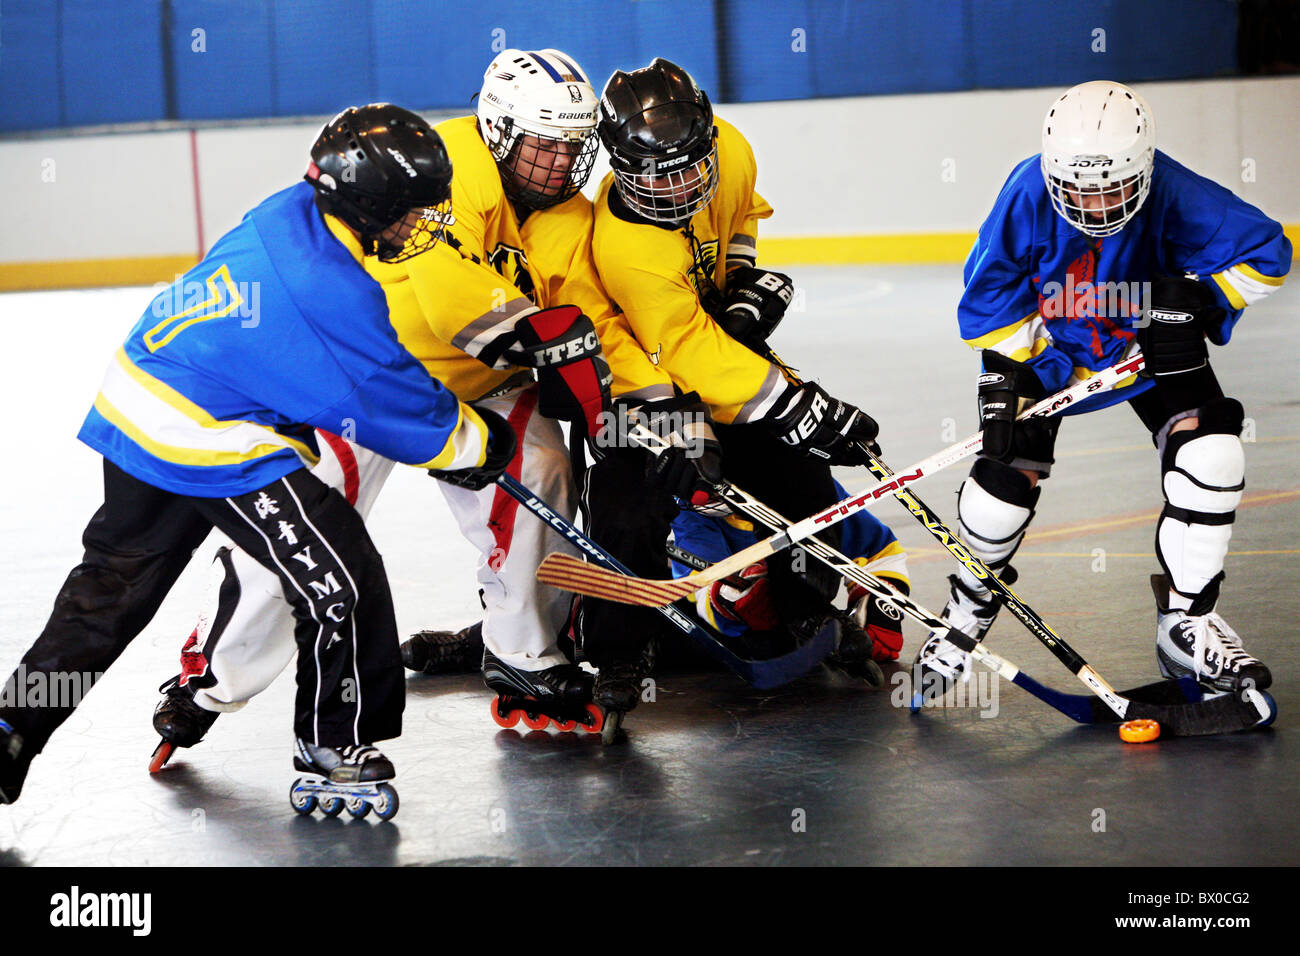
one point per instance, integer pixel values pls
(92, 273)
(916, 247)
(843, 250)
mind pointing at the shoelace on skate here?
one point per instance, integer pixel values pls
(1212, 635)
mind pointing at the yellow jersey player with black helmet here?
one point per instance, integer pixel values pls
(675, 242)
(512, 277)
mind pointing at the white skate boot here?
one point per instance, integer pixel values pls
(1199, 643)
(939, 663)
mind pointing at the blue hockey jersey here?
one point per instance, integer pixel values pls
(1038, 293)
(277, 331)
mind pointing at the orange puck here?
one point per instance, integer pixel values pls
(1139, 731)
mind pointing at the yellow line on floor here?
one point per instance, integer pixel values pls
(1084, 452)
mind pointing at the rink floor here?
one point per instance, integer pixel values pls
(823, 771)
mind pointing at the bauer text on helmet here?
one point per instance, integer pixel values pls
(1098, 154)
(658, 128)
(537, 114)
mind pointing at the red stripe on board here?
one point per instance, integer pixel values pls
(347, 461)
(198, 202)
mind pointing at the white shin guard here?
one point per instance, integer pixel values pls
(994, 507)
(1203, 477)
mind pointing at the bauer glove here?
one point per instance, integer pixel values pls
(756, 303)
(824, 427)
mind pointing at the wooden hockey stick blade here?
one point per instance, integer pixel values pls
(1223, 714)
(573, 574)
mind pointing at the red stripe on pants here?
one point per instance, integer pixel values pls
(504, 508)
(347, 461)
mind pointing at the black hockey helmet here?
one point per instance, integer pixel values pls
(372, 166)
(658, 128)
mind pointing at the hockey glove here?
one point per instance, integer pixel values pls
(573, 378)
(501, 448)
(824, 427)
(1172, 329)
(880, 620)
(692, 465)
(756, 303)
(747, 600)
(1006, 388)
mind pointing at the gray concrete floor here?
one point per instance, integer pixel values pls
(713, 772)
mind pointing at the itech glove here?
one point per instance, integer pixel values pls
(1006, 388)
(501, 448)
(573, 378)
(1172, 330)
(756, 303)
(824, 427)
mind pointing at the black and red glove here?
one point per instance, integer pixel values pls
(573, 378)
(746, 598)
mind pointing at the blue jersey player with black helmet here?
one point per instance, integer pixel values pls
(205, 419)
(1099, 247)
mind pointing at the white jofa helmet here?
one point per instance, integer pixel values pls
(545, 96)
(1099, 148)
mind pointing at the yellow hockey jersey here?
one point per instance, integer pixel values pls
(450, 304)
(658, 275)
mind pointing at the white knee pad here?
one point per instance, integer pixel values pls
(1204, 475)
(994, 507)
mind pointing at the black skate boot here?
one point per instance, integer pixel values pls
(442, 652)
(355, 777)
(179, 721)
(560, 695)
(1199, 643)
(618, 688)
(14, 761)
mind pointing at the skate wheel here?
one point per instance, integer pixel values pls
(357, 807)
(1139, 731)
(508, 719)
(595, 719)
(565, 726)
(540, 722)
(386, 807)
(302, 801)
(331, 806)
(161, 754)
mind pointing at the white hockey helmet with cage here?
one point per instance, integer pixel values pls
(537, 114)
(1099, 148)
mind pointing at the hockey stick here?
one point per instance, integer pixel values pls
(763, 674)
(651, 593)
(1222, 714)
(1081, 708)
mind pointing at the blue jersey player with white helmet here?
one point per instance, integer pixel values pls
(1099, 247)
